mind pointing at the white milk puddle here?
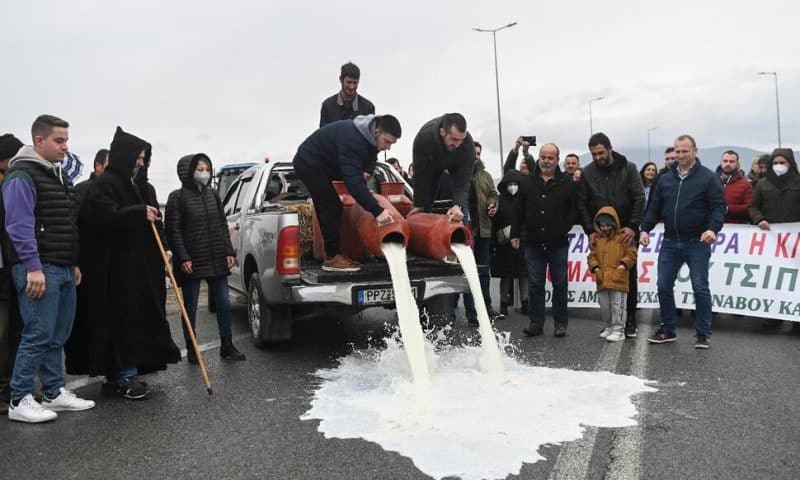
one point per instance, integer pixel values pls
(491, 353)
(466, 422)
(407, 312)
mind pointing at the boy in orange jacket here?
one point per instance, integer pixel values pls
(610, 260)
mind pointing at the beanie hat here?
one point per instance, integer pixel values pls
(605, 219)
(9, 145)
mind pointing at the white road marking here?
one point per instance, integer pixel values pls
(573, 460)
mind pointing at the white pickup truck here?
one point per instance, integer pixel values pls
(282, 285)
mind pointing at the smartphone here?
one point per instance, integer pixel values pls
(531, 139)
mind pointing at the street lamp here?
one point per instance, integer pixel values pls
(591, 130)
(777, 104)
(497, 82)
(649, 159)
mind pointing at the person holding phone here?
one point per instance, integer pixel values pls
(482, 203)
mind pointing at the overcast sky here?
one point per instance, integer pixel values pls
(240, 80)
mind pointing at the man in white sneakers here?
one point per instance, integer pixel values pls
(41, 247)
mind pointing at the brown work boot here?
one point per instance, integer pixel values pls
(340, 263)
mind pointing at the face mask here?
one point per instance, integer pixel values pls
(780, 169)
(201, 178)
(512, 189)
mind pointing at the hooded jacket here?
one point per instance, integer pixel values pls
(343, 150)
(777, 199)
(547, 210)
(507, 261)
(738, 194)
(485, 195)
(196, 225)
(431, 156)
(618, 185)
(609, 253)
(41, 227)
(688, 207)
(334, 109)
(121, 318)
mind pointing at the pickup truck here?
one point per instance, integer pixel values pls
(283, 285)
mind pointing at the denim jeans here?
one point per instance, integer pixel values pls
(673, 254)
(481, 249)
(47, 323)
(537, 260)
(123, 373)
(218, 289)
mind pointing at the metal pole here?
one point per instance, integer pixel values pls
(497, 89)
(649, 156)
(777, 104)
(591, 129)
(778, 110)
(497, 84)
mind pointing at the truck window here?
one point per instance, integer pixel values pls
(230, 198)
(244, 187)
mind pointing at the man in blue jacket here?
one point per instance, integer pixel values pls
(689, 200)
(344, 150)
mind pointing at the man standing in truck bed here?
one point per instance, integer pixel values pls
(443, 144)
(343, 150)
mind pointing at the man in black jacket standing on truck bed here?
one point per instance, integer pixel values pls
(343, 150)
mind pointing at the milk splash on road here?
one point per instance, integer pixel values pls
(491, 353)
(466, 422)
(407, 312)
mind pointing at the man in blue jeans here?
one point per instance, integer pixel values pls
(41, 244)
(548, 210)
(689, 200)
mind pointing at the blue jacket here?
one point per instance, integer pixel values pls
(687, 207)
(344, 150)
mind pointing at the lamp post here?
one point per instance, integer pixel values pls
(591, 129)
(777, 104)
(649, 157)
(497, 82)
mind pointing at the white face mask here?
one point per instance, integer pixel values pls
(512, 189)
(201, 178)
(780, 169)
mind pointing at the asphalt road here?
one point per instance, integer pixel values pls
(729, 412)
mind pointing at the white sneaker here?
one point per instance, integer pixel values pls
(615, 336)
(67, 402)
(605, 333)
(30, 411)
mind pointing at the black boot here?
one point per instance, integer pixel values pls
(523, 309)
(504, 308)
(227, 351)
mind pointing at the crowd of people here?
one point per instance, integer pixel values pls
(82, 271)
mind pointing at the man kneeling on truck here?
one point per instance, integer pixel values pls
(344, 150)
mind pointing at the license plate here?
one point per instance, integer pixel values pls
(379, 295)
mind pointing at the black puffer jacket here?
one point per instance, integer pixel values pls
(618, 185)
(507, 261)
(196, 227)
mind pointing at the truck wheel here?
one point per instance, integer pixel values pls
(269, 324)
(439, 309)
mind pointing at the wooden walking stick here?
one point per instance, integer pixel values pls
(184, 315)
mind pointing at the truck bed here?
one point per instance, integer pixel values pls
(378, 270)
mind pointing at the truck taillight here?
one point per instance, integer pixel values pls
(288, 258)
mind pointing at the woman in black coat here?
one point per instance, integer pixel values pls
(508, 263)
(197, 232)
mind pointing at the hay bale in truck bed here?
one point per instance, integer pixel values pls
(304, 213)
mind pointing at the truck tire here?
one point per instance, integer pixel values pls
(439, 309)
(269, 324)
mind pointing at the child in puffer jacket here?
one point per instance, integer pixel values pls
(610, 259)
